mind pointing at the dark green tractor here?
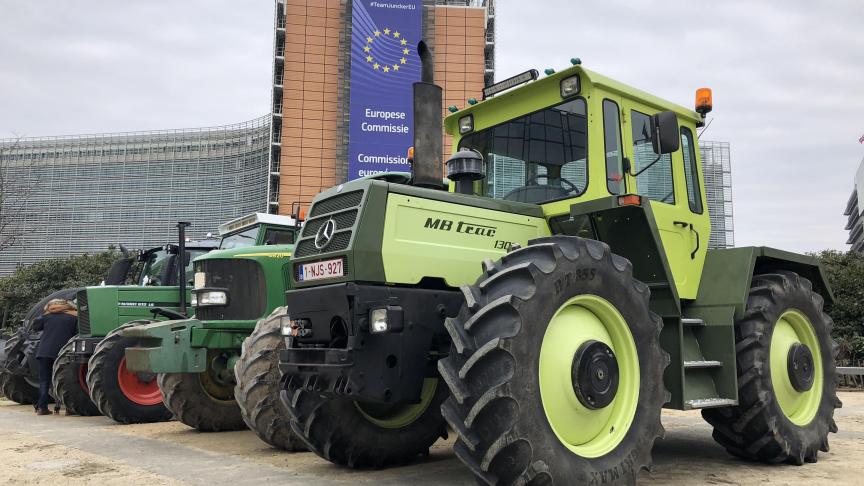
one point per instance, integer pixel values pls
(552, 302)
(235, 290)
(92, 365)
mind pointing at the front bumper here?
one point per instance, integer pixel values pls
(178, 346)
(165, 347)
(82, 348)
(339, 356)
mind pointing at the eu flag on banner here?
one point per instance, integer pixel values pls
(384, 66)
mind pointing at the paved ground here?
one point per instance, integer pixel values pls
(78, 450)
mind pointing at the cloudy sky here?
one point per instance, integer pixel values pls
(787, 78)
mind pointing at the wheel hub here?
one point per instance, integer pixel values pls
(595, 375)
(800, 367)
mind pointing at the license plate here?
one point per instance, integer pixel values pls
(319, 270)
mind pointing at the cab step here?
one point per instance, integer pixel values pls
(687, 321)
(703, 364)
(710, 403)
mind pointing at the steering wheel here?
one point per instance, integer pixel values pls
(572, 186)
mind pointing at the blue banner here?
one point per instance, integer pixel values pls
(384, 65)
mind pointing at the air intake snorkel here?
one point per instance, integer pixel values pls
(426, 168)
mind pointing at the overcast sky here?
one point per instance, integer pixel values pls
(787, 78)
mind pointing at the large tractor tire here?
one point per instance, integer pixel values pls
(17, 388)
(786, 375)
(556, 370)
(69, 382)
(360, 435)
(201, 401)
(258, 385)
(123, 395)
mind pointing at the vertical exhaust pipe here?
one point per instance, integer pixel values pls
(427, 169)
(181, 263)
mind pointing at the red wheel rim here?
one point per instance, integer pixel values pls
(82, 377)
(137, 390)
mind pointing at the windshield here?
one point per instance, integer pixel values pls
(239, 240)
(538, 157)
(154, 268)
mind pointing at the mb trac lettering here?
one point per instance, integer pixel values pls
(460, 227)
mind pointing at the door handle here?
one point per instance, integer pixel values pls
(684, 224)
(693, 255)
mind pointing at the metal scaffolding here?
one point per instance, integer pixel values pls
(76, 194)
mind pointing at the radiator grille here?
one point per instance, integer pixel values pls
(342, 201)
(247, 290)
(83, 313)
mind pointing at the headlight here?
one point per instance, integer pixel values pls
(194, 301)
(295, 327)
(466, 124)
(378, 320)
(211, 297)
(286, 326)
(570, 86)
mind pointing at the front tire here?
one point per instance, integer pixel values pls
(125, 396)
(556, 370)
(17, 388)
(199, 402)
(779, 417)
(70, 384)
(359, 435)
(258, 385)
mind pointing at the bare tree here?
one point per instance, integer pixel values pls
(15, 190)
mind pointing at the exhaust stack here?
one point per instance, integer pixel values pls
(427, 169)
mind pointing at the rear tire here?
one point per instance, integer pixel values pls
(525, 409)
(774, 422)
(258, 385)
(17, 389)
(119, 394)
(69, 382)
(187, 398)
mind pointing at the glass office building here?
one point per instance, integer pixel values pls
(82, 193)
(854, 222)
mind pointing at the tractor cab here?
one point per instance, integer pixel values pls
(158, 264)
(576, 137)
(258, 229)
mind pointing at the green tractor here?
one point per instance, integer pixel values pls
(194, 359)
(90, 376)
(551, 303)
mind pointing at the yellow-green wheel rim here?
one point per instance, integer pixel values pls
(799, 407)
(399, 416)
(587, 433)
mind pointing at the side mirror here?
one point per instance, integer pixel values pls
(664, 133)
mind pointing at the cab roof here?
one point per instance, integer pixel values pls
(552, 82)
(253, 219)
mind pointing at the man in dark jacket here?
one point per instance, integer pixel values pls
(58, 325)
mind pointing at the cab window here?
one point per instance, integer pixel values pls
(653, 172)
(612, 146)
(239, 240)
(537, 157)
(278, 237)
(691, 170)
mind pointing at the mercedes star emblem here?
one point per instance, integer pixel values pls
(325, 234)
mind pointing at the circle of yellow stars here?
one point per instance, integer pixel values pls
(367, 49)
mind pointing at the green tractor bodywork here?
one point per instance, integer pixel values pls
(252, 268)
(102, 309)
(379, 265)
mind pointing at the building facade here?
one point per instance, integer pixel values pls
(312, 83)
(854, 223)
(69, 195)
(717, 173)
